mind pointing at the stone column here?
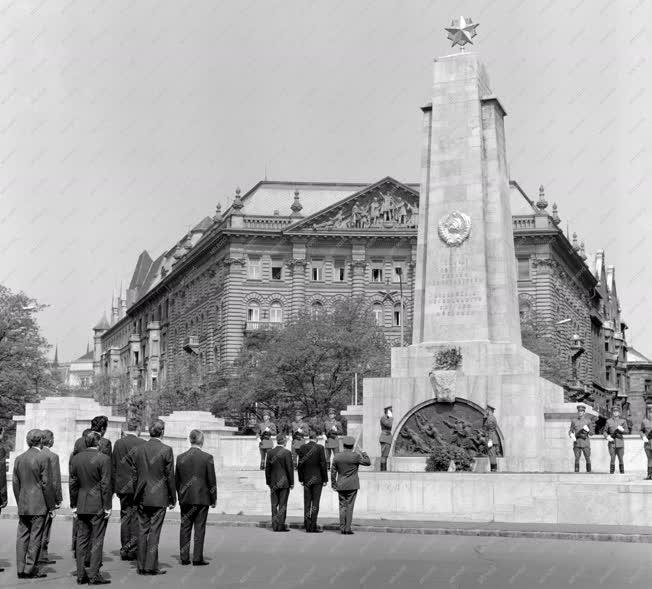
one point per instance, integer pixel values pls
(234, 308)
(297, 267)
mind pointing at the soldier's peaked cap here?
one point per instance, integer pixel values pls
(649, 404)
(331, 410)
(348, 441)
(581, 407)
(490, 407)
(267, 412)
(388, 407)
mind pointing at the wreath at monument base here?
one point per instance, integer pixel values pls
(441, 457)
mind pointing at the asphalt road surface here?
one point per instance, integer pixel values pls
(253, 557)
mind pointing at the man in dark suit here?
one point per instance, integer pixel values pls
(279, 476)
(344, 480)
(197, 489)
(313, 475)
(90, 500)
(153, 492)
(55, 495)
(3, 479)
(123, 468)
(99, 424)
(30, 482)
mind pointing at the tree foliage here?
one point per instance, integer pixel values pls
(309, 364)
(185, 391)
(24, 374)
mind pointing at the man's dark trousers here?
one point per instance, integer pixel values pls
(279, 507)
(347, 501)
(311, 497)
(128, 525)
(193, 516)
(90, 543)
(47, 529)
(150, 522)
(28, 542)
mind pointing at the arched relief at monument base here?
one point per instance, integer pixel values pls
(433, 423)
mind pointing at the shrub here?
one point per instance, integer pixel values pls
(439, 460)
(449, 359)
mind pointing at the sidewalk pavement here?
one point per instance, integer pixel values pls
(639, 534)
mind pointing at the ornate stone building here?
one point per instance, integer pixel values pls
(285, 246)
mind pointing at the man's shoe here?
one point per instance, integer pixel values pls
(184, 562)
(83, 581)
(35, 576)
(349, 533)
(200, 563)
(284, 530)
(157, 572)
(316, 531)
(49, 561)
(99, 581)
(142, 572)
(22, 576)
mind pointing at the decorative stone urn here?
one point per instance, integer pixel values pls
(443, 385)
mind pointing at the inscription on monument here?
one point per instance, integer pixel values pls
(456, 292)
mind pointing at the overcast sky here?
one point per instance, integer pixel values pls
(123, 123)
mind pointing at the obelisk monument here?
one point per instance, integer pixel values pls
(465, 292)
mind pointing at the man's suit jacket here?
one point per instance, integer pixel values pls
(123, 464)
(31, 482)
(312, 464)
(344, 471)
(195, 478)
(154, 475)
(54, 491)
(90, 482)
(104, 445)
(279, 470)
(3, 480)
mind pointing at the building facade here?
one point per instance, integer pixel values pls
(286, 246)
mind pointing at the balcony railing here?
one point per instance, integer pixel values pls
(261, 325)
(191, 343)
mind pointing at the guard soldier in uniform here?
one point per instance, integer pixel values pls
(332, 430)
(580, 433)
(266, 430)
(299, 430)
(386, 423)
(3, 479)
(614, 429)
(646, 436)
(344, 480)
(490, 428)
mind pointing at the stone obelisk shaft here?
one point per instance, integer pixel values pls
(465, 292)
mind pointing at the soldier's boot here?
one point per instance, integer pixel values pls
(649, 473)
(588, 467)
(577, 467)
(494, 468)
(383, 465)
(621, 468)
(262, 465)
(612, 468)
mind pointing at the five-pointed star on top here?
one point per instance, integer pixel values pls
(461, 31)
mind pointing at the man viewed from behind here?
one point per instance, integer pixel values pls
(153, 492)
(30, 482)
(345, 480)
(123, 468)
(197, 489)
(54, 491)
(313, 475)
(279, 476)
(3, 479)
(90, 500)
(99, 424)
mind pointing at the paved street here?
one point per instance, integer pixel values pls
(253, 558)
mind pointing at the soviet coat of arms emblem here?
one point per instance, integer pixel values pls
(454, 228)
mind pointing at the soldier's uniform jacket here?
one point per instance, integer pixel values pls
(266, 436)
(646, 428)
(490, 427)
(386, 424)
(331, 434)
(582, 437)
(611, 429)
(298, 436)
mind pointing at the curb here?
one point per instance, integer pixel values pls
(429, 531)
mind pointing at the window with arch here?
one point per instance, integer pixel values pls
(398, 316)
(377, 312)
(253, 311)
(317, 308)
(276, 312)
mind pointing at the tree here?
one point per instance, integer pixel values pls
(309, 364)
(24, 373)
(185, 391)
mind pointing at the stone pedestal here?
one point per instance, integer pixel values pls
(67, 418)
(179, 424)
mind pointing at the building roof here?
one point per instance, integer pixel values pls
(634, 356)
(87, 357)
(140, 272)
(103, 323)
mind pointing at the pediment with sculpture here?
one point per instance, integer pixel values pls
(384, 206)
